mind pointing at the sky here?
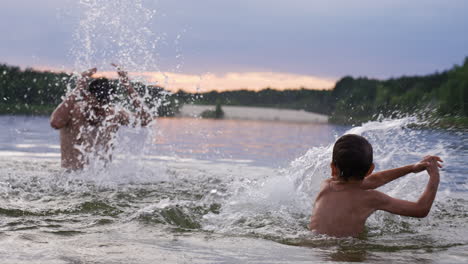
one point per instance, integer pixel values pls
(224, 45)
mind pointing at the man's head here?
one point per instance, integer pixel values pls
(102, 90)
(352, 157)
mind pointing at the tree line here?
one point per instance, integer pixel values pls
(442, 94)
(38, 92)
(30, 91)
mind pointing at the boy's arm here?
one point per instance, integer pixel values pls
(380, 178)
(420, 208)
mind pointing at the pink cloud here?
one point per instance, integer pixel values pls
(230, 81)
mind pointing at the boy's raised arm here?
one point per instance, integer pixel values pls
(415, 209)
(380, 178)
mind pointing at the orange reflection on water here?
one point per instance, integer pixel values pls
(265, 142)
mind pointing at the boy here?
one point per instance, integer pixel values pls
(348, 198)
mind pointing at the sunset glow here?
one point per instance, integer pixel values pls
(230, 81)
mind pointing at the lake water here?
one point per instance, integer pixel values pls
(219, 191)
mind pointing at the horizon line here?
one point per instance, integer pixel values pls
(208, 82)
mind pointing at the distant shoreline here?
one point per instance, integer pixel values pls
(255, 113)
(194, 111)
(244, 113)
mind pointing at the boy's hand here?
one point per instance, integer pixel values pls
(433, 168)
(427, 162)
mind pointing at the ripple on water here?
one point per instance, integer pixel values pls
(229, 200)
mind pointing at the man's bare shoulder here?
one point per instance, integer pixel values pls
(118, 116)
(77, 118)
(78, 112)
(78, 108)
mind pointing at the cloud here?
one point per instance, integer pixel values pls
(229, 81)
(309, 38)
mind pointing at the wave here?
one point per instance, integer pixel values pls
(235, 199)
(279, 207)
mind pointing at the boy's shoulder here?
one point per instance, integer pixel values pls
(325, 185)
(324, 188)
(331, 186)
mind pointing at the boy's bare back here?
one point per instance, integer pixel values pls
(347, 199)
(342, 209)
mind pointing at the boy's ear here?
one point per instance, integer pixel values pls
(371, 169)
(334, 170)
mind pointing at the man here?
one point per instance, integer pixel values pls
(88, 122)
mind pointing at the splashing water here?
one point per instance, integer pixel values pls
(212, 197)
(115, 31)
(278, 207)
(199, 198)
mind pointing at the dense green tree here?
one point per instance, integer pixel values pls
(351, 100)
(454, 93)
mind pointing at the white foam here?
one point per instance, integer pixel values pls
(282, 202)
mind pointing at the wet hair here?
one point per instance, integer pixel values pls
(352, 155)
(102, 89)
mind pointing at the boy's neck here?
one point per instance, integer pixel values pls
(343, 181)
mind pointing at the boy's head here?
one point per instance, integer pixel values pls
(353, 157)
(102, 90)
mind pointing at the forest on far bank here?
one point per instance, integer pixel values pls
(442, 95)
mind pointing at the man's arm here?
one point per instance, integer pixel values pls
(420, 208)
(380, 178)
(61, 115)
(141, 113)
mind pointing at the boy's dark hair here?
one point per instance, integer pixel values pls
(102, 89)
(352, 155)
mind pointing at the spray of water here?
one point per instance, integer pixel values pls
(279, 206)
(275, 206)
(116, 32)
(238, 200)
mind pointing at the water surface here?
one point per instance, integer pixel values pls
(206, 191)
